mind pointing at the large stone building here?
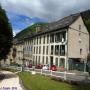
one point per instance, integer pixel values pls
(18, 51)
(64, 43)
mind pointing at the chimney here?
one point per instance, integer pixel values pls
(38, 28)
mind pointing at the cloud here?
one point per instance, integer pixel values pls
(19, 22)
(48, 9)
(22, 13)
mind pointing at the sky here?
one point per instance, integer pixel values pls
(23, 13)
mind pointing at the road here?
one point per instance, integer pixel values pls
(10, 82)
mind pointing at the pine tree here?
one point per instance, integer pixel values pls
(5, 35)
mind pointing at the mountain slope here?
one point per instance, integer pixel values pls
(86, 18)
(28, 30)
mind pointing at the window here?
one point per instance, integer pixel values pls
(60, 36)
(52, 38)
(63, 36)
(57, 37)
(57, 50)
(43, 60)
(56, 61)
(36, 59)
(29, 48)
(62, 62)
(46, 60)
(62, 50)
(52, 49)
(34, 50)
(34, 41)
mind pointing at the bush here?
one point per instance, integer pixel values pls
(9, 69)
(15, 64)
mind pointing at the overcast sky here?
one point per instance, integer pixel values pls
(31, 11)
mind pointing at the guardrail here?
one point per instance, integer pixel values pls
(14, 67)
(63, 75)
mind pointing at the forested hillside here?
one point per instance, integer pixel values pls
(28, 30)
(86, 18)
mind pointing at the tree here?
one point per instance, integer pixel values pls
(6, 35)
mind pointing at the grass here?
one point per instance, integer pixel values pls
(40, 82)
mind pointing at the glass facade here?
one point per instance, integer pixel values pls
(46, 47)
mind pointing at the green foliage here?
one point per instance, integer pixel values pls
(86, 18)
(28, 30)
(40, 82)
(8, 69)
(5, 35)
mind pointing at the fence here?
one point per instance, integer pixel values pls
(14, 67)
(63, 75)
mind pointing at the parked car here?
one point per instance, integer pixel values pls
(39, 66)
(30, 66)
(53, 68)
(45, 67)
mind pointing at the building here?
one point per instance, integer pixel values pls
(18, 52)
(64, 43)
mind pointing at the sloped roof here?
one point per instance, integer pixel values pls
(62, 23)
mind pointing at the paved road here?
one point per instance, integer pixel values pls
(10, 82)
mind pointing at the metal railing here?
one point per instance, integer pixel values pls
(63, 75)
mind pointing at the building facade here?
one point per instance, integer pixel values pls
(18, 52)
(63, 43)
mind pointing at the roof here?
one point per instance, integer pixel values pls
(63, 22)
(60, 24)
